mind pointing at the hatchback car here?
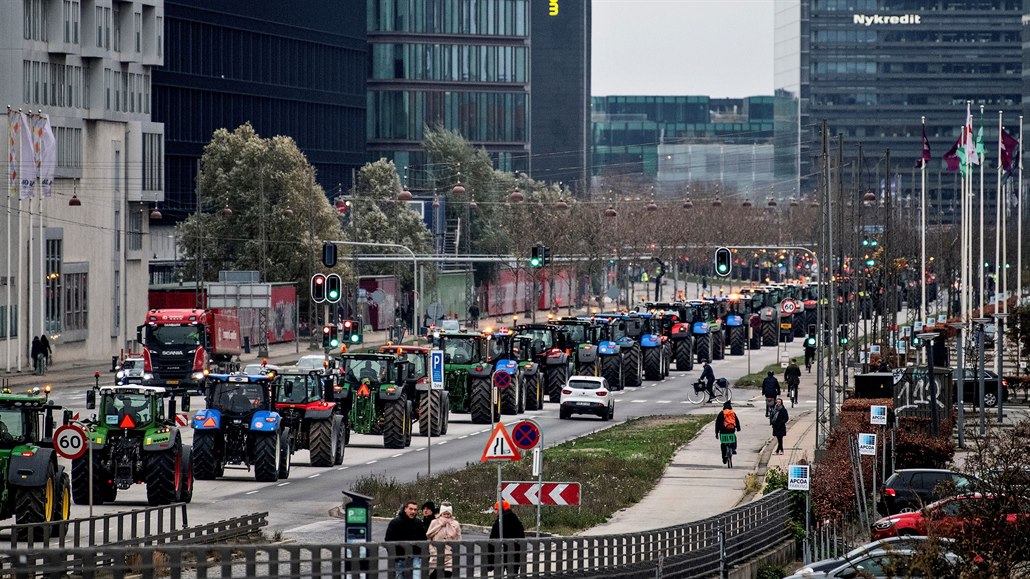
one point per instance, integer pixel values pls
(894, 561)
(311, 362)
(587, 395)
(971, 388)
(131, 372)
(822, 568)
(910, 489)
(945, 518)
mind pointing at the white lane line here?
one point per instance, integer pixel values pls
(398, 454)
(251, 492)
(343, 468)
(420, 449)
(442, 442)
(463, 437)
(372, 462)
(638, 401)
(316, 475)
(282, 484)
(686, 402)
(663, 402)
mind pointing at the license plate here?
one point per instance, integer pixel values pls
(173, 381)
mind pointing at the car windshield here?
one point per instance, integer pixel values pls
(300, 389)
(371, 369)
(540, 339)
(310, 362)
(173, 336)
(577, 333)
(117, 404)
(237, 397)
(12, 427)
(132, 364)
(584, 384)
(458, 350)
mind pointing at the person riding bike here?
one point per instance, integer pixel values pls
(770, 389)
(809, 356)
(792, 376)
(727, 422)
(708, 377)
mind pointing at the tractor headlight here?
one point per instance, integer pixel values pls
(197, 375)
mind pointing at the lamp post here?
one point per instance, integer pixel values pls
(980, 324)
(999, 339)
(935, 418)
(960, 395)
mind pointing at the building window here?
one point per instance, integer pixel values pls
(137, 27)
(116, 14)
(134, 231)
(72, 12)
(76, 303)
(160, 35)
(107, 88)
(9, 320)
(35, 23)
(153, 157)
(53, 308)
(69, 147)
(100, 26)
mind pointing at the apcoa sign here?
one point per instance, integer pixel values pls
(867, 20)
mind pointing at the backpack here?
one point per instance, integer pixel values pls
(729, 420)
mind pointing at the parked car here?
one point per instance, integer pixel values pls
(944, 518)
(971, 388)
(586, 395)
(910, 489)
(311, 362)
(884, 558)
(258, 369)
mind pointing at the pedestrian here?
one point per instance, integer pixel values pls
(474, 315)
(34, 355)
(405, 527)
(444, 528)
(428, 513)
(511, 557)
(779, 420)
(44, 346)
(770, 389)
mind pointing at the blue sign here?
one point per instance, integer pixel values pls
(436, 369)
(798, 478)
(878, 415)
(867, 444)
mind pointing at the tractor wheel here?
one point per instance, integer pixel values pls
(445, 415)
(163, 475)
(479, 401)
(430, 404)
(409, 423)
(666, 359)
(684, 358)
(534, 394)
(586, 369)
(510, 398)
(631, 370)
(701, 347)
(522, 394)
(285, 455)
(652, 363)
(770, 334)
(719, 345)
(186, 488)
(63, 507)
(611, 370)
(205, 465)
(34, 505)
(266, 457)
(80, 481)
(556, 377)
(320, 442)
(393, 423)
(738, 341)
(340, 434)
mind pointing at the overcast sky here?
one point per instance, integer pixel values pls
(718, 48)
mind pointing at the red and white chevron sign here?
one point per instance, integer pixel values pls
(182, 419)
(551, 493)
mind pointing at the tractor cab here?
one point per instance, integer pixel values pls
(241, 394)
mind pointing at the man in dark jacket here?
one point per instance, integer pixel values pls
(407, 528)
(708, 376)
(513, 529)
(770, 389)
(428, 514)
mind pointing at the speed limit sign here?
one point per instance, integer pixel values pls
(70, 442)
(788, 307)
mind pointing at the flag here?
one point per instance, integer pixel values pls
(968, 145)
(1009, 150)
(14, 129)
(925, 158)
(951, 158)
(26, 159)
(47, 156)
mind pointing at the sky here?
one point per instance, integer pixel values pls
(718, 48)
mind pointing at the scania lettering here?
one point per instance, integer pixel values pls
(879, 19)
(180, 345)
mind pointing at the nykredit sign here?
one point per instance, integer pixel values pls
(870, 20)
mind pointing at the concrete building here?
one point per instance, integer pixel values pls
(75, 264)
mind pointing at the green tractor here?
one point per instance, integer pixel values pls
(376, 396)
(582, 339)
(468, 374)
(546, 343)
(35, 487)
(135, 441)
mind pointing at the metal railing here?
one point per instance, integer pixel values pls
(98, 530)
(702, 549)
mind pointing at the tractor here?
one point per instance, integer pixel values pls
(655, 349)
(430, 404)
(513, 373)
(135, 440)
(310, 414)
(582, 340)
(36, 488)
(609, 351)
(241, 426)
(709, 340)
(623, 331)
(467, 373)
(545, 345)
(377, 396)
(676, 327)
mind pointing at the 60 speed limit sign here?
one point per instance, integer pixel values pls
(788, 307)
(70, 442)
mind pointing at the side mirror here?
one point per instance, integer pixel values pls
(288, 390)
(171, 408)
(139, 334)
(91, 399)
(48, 423)
(329, 388)
(66, 419)
(186, 402)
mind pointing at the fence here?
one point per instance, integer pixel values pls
(99, 530)
(702, 549)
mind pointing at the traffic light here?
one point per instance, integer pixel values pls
(327, 334)
(869, 262)
(328, 254)
(810, 340)
(536, 258)
(318, 288)
(546, 254)
(723, 261)
(333, 288)
(334, 336)
(842, 335)
(352, 332)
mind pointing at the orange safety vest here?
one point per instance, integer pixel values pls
(729, 419)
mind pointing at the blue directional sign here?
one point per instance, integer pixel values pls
(436, 369)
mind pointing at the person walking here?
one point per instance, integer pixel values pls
(443, 528)
(35, 355)
(511, 557)
(428, 514)
(407, 528)
(727, 422)
(778, 420)
(474, 316)
(44, 348)
(770, 389)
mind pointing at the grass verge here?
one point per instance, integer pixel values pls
(754, 380)
(616, 468)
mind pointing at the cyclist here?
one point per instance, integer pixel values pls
(770, 389)
(809, 356)
(727, 422)
(708, 377)
(792, 376)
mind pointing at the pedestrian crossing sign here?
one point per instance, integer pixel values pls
(500, 446)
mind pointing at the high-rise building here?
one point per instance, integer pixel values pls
(873, 68)
(295, 69)
(73, 265)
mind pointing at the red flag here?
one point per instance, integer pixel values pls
(1009, 150)
(951, 159)
(922, 161)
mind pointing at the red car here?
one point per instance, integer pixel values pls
(943, 518)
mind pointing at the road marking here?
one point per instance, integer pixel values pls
(663, 402)
(251, 492)
(442, 442)
(686, 402)
(372, 462)
(282, 484)
(638, 401)
(343, 468)
(316, 475)
(398, 454)
(463, 437)
(420, 449)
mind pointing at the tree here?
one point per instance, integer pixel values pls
(277, 214)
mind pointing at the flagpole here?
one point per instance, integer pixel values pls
(980, 264)
(8, 202)
(999, 228)
(922, 229)
(963, 233)
(1019, 221)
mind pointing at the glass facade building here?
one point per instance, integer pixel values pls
(873, 68)
(297, 70)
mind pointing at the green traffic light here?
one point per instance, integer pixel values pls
(810, 342)
(333, 294)
(355, 338)
(723, 268)
(534, 262)
(334, 342)
(870, 262)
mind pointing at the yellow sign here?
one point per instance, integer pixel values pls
(552, 8)
(786, 326)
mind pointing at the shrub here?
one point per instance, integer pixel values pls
(770, 571)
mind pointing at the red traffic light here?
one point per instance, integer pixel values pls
(325, 329)
(319, 280)
(346, 324)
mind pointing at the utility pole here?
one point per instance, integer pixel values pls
(832, 302)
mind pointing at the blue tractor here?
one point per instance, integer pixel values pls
(625, 332)
(241, 426)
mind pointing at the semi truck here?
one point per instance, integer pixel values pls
(180, 345)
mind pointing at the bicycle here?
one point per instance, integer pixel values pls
(792, 392)
(721, 392)
(726, 442)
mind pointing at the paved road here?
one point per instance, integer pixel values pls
(299, 506)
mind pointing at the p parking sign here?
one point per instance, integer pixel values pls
(798, 478)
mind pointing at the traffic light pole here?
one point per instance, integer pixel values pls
(414, 273)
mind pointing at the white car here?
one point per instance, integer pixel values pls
(131, 372)
(587, 395)
(311, 362)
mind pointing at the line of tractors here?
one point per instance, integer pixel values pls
(258, 421)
